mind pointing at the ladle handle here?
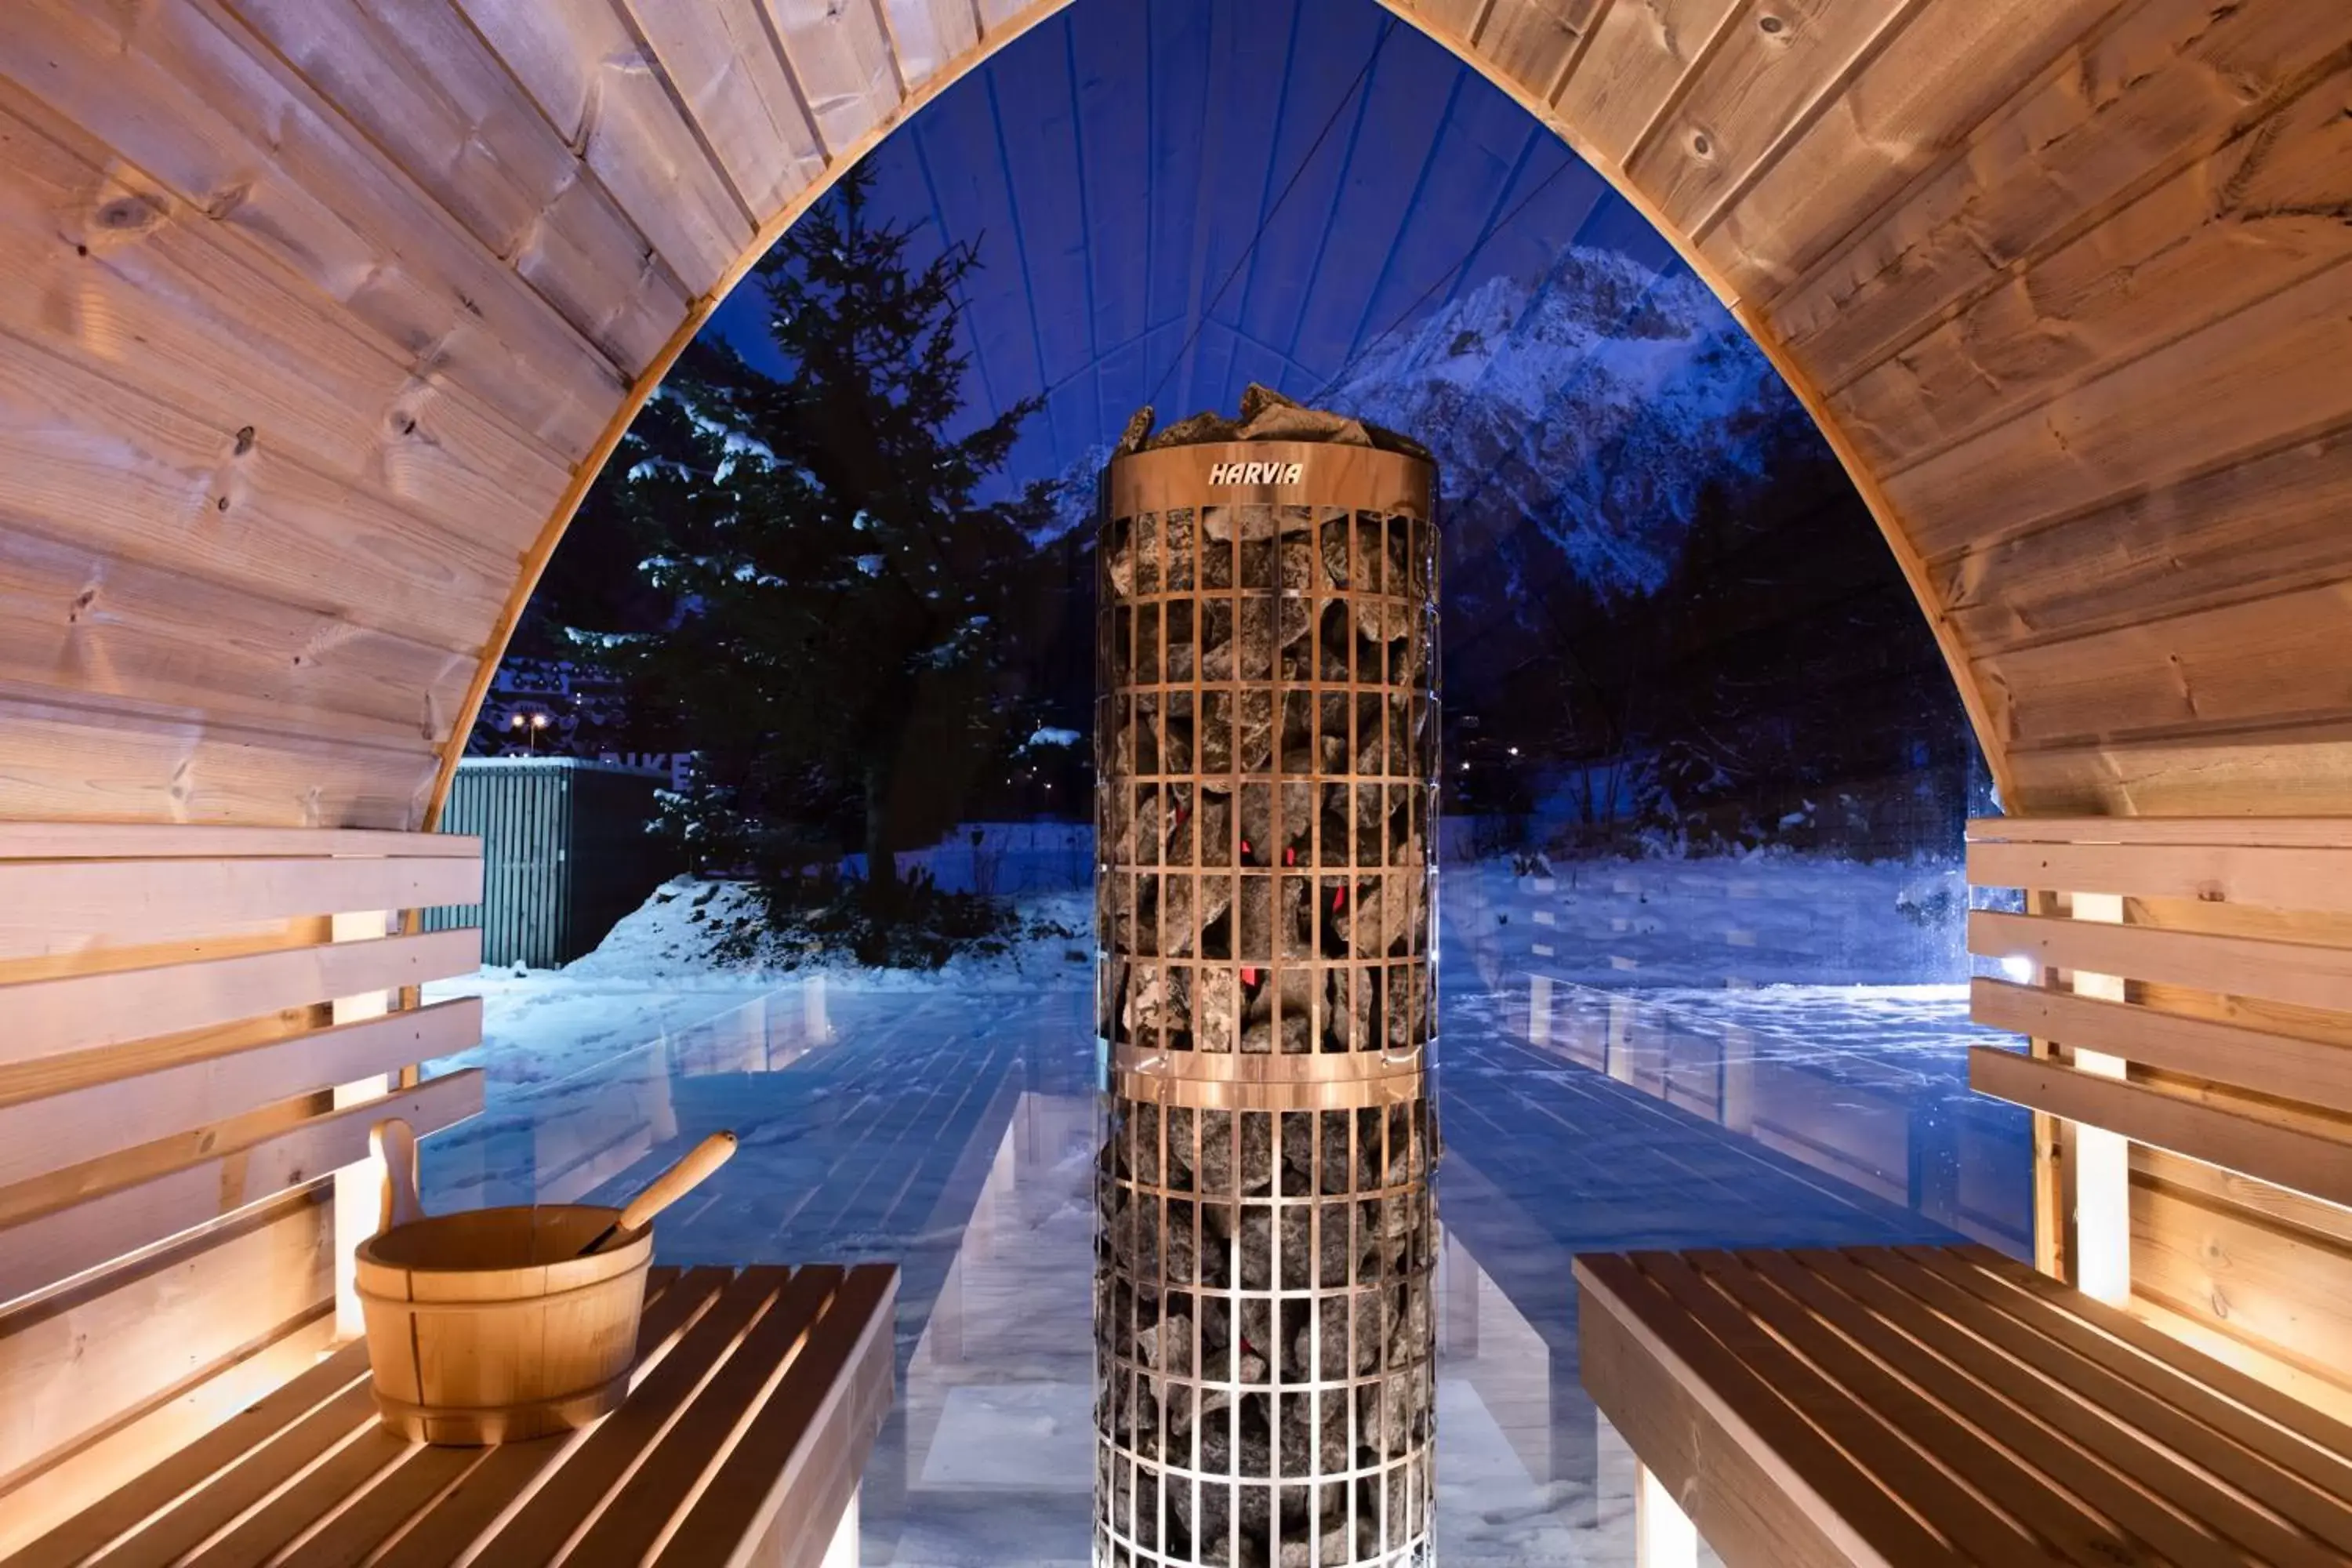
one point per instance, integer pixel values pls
(393, 1141)
(677, 1181)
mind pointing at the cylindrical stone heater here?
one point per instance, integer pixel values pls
(1265, 811)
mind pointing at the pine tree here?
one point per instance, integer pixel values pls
(845, 630)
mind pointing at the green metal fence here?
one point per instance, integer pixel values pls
(565, 853)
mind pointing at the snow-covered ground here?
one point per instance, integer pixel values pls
(1756, 1051)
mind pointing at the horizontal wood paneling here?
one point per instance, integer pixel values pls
(63, 1115)
(79, 1013)
(2302, 876)
(194, 101)
(162, 840)
(2157, 84)
(2261, 1147)
(2312, 1071)
(59, 907)
(722, 57)
(39, 1250)
(422, 86)
(2229, 832)
(604, 91)
(2302, 974)
(163, 1322)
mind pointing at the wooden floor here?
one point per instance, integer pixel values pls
(757, 1396)
(1924, 1406)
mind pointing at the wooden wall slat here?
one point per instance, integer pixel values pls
(2303, 877)
(928, 34)
(421, 85)
(42, 1129)
(2171, 830)
(2305, 974)
(1767, 76)
(605, 92)
(43, 1249)
(78, 1013)
(199, 105)
(169, 840)
(2164, 82)
(2290, 769)
(723, 59)
(2312, 1071)
(1533, 45)
(2236, 227)
(162, 1323)
(151, 290)
(2210, 668)
(2239, 531)
(213, 650)
(2223, 388)
(62, 906)
(1906, 110)
(95, 465)
(2306, 1162)
(842, 59)
(1637, 55)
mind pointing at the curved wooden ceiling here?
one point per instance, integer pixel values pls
(323, 312)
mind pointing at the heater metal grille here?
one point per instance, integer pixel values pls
(1267, 792)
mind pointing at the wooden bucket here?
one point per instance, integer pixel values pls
(488, 1327)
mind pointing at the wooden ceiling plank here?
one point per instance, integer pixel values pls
(842, 60)
(116, 274)
(2260, 214)
(2237, 531)
(1532, 44)
(2231, 386)
(2284, 770)
(604, 93)
(997, 14)
(1771, 67)
(135, 630)
(724, 61)
(1638, 53)
(84, 458)
(2218, 668)
(98, 762)
(929, 35)
(1917, 99)
(180, 92)
(421, 83)
(2168, 84)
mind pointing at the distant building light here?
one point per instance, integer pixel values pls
(1515, 751)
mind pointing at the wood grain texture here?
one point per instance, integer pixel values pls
(929, 35)
(2306, 975)
(841, 58)
(735, 83)
(1640, 52)
(56, 907)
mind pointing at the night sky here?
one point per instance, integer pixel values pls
(1113, 165)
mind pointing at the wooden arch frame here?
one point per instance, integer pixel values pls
(2060, 283)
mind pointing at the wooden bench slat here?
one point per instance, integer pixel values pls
(2057, 1519)
(2095, 1441)
(2302, 877)
(1843, 1500)
(2250, 1145)
(2316, 1425)
(173, 1534)
(2048, 1459)
(59, 1243)
(2303, 974)
(2321, 1509)
(1872, 1444)
(2129, 1407)
(113, 1007)
(745, 1494)
(2281, 832)
(43, 1132)
(647, 1503)
(188, 1469)
(504, 1481)
(53, 906)
(574, 1495)
(410, 1488)
(324, 1490)
(2202, 1048)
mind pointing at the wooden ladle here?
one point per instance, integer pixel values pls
(394, 1142)
(668, 1187)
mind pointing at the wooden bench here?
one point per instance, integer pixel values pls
(756, 1399)
(2173, 1381)
(1917, 1407)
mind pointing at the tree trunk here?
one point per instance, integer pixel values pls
(881, 860)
